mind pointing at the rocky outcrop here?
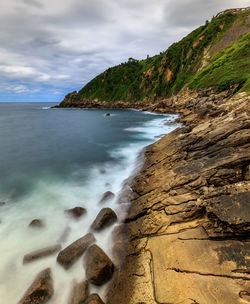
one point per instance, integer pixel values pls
(70, 254)
(41, 290)
(99, 267)
(41, 253)
(76, 212)
(79, 293)
(189, 223)
(105, 218)
(94, 299)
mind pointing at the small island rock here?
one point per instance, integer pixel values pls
(76, 212)
(99, 267)
(106, 217)
(36, 223)
(70, 254)
(41, 290)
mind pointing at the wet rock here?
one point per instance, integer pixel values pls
(41, 290)
(106, 197)
(36, 223)
(94, 299)
(99, 267)
(107, 114)
(76, 212)
(106, 217)
(64, 235)
(79, 293)
(70, 254)
(41, 253)
(2, 204)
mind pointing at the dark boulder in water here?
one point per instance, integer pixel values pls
(107, 114)
(41, 290)
(94, 299)
(70, 254)
(36, 223)
(79, 293)
(99, 267)
(2, 204)
(76, 212)
(41, 253)
(105, 218)
(106, 197)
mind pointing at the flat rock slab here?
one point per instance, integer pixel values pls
(94, 299)
(41, 253)
(106, 197)
(76, 212)
(41, 290)
(105, 218)
(99, 267)
(79, 293)
(70, 254)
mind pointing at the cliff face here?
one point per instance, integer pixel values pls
(188, 229)
(215, 55)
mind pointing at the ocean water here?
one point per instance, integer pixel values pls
(56, 159)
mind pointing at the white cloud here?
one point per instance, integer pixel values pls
(65, 43)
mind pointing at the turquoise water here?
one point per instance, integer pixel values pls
(55, 159)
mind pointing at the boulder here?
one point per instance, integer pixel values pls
(41, 253)
(36, 223)
(94, 299)
(41, 290)
(70, 254)
(76, 212)
(107, 114)
(106, 197)
(79, 293)
(2, 204)
(99, 267)
(106, 217)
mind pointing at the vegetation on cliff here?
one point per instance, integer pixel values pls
(214, 55)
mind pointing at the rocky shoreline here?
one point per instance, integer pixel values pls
(186, 238)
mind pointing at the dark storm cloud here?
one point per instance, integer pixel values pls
(64, 43)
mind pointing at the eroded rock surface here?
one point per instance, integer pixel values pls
(188, 227)
(41, 290)
(99, 267)
(70, 254)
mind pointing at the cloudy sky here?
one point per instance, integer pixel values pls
(51, 47)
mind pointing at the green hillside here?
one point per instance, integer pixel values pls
(214, 55)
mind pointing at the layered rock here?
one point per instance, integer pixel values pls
(189, 223)
(41, 290)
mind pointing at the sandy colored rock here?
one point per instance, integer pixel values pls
(105, 218)
(94, 299)
(41, 290)
(70, 254)
(79, 293)
(99, 267)
(41, 253)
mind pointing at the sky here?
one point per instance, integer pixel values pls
(49, 48)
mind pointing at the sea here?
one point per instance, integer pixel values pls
(56, 159)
